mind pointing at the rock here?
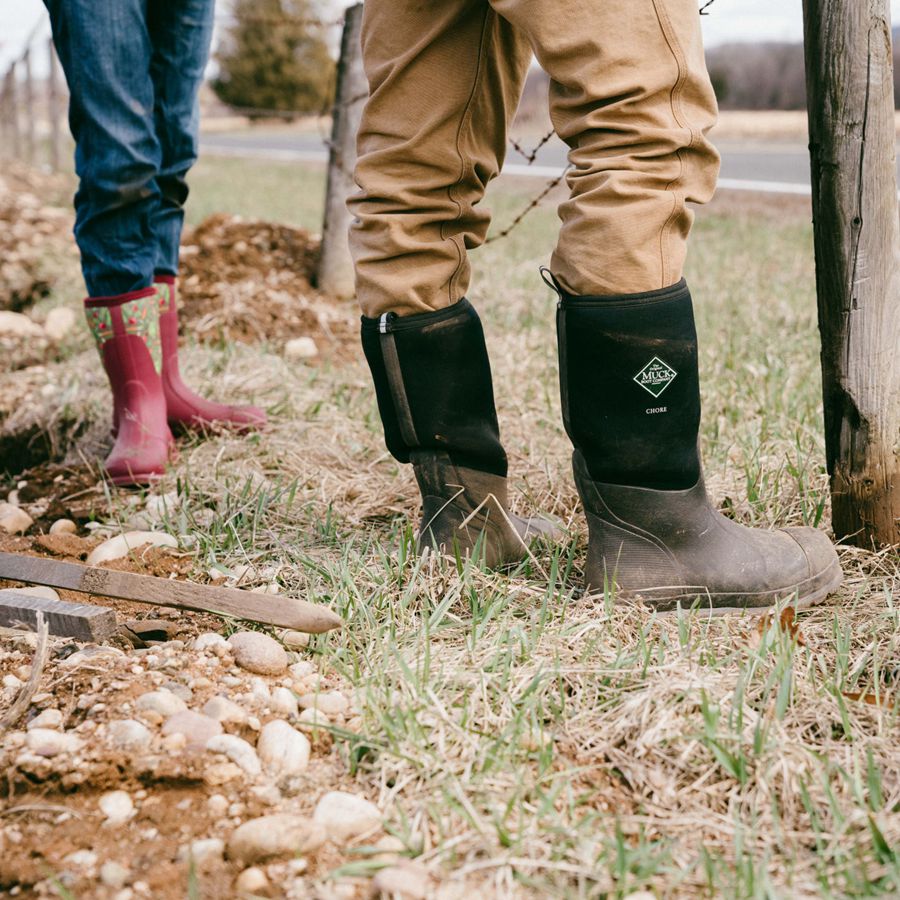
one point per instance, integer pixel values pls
(63, 526)
(251, 881)
(196, 728)
(408, 880)
(260, 692)
(238, 751)
(49, 718)
(174, 743)
(294, 640)
(389, 848)
(224, 710)
(313, 718)
(123, 544)
(332, 703)
(11, 683)
(257, 652)
(345, 816)
(14, 520)
(217, 804)
(129, 734)
(284, 702)
(267, 794)
(283, 750)
(270, 837)
(117, 806)
(47, 742)
(98, 656)
(206, 851)
(207, 640)
(114, 874)
(270, 588)
(300, 348)
(163, 702)
(34, 590)
(158, 506)
(59, 322)
(15, 324)
(302, 669)
(81, 859)
(182, 691)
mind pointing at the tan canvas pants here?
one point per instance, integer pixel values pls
(629, 94)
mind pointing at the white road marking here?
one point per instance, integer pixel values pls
(517, 169)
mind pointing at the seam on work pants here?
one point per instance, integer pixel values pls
(665, 24)
(464, 162)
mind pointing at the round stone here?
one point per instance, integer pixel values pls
(270, 837)
(283, 750)
(196, 728)
(63, 526)
(163, 702)
(259, 653)
(129, 734)
(345, 816)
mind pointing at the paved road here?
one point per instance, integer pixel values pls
(771, 168)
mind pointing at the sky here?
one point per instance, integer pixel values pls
(728, 20)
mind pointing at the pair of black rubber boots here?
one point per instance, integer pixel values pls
(631, 407)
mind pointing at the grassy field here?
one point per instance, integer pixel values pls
(522, 739)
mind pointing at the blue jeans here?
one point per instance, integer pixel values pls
(134, 68)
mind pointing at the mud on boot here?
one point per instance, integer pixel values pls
(436, 400)
(466, 513)
(631, 406)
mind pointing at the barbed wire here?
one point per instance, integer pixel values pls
(530, 155)
(265, 19)
(533, 204)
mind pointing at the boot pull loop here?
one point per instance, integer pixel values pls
(550, 280)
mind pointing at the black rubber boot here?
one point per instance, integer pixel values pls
(631, 406)
(436, 399)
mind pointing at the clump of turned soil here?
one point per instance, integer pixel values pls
(251, 281)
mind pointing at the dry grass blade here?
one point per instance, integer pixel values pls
(23, 700)
(884, 701)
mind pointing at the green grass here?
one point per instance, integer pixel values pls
(257, 189)
(523, 740)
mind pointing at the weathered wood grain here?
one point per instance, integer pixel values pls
(857, 245)
(271, 609)
(335, 270)
(80, 621)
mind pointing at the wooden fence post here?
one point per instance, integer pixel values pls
(335, 270)
(53, 111)
(857, 245)
(28, 103)
(13, 111)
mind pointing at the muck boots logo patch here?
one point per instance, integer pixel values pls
(656, 376)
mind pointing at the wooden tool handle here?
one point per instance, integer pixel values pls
(271, 609)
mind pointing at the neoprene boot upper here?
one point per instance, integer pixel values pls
(435, 396)
(631, 405)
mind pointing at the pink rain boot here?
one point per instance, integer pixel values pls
(185, 408)
(126, 329)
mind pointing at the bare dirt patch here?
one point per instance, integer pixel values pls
(53, 831)
(251, 281)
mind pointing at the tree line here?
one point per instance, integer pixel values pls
(273, 56)
(768, 75)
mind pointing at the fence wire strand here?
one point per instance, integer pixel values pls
(15, 92)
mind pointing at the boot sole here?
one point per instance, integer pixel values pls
(137, 479)
(807, 593)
